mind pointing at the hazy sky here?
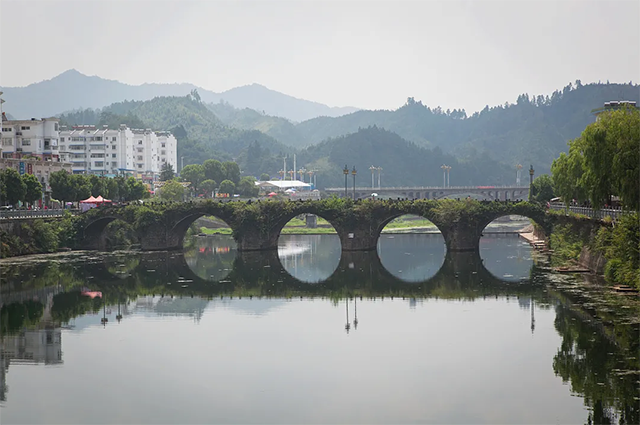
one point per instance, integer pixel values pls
(457, 54)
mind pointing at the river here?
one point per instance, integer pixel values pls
(308, 334)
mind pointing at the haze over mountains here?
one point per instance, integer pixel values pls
(408, 142)
(72, 90)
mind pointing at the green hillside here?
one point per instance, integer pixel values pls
(404, 163)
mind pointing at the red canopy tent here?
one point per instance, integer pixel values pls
(100, 200)
(89, 200)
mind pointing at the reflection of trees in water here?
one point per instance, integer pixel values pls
(211, 258)
(15, 316)
(598, 370)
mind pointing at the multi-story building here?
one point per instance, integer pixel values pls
(36, 138)
(109, 152)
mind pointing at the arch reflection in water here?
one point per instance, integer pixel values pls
(309, 258)
(506, 256)
(211, 258)
(412, 257)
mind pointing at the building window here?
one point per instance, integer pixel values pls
(26, 142)
(113, 155)
(56, 127)
(114, 164)
(25, 127)
(98, 139)
(139, 142)
(61, 139)
(139, 165)
(7, 141)
(113, 139)
(163, 145)
(99, 163)
(7, 129)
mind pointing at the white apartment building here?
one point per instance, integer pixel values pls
(37, 138)
(106, 151)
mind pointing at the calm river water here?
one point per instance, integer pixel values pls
(307, 335)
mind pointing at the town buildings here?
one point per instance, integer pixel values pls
(122, 151)
(88, 149)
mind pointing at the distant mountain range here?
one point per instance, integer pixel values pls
(73, 90)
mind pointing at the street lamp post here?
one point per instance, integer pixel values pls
(444, 175)
(373, 169)
(379, 173)
(518, 174)
(353, 172)
(531, 172)
(346, 173)
(448, 181)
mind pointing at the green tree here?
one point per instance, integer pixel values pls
(542, 189)
(623, 133)
(166, 173)
(113, 192)
(247, 187)
(213, 170)
(172, 191)
(232, 171)
(228, 187)
(567, 173)
(264, 177)
(34, 188)
(99, 186)
(81, 187)
(598, 154)
(62, 187)
(136, 190)
(3, 188)
(15, 188)
(194, 174)
(123, 188)
(207, 187)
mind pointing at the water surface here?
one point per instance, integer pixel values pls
(307, 334)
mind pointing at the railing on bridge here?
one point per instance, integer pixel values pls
(414, 188)
(25, 214)
(614, 213)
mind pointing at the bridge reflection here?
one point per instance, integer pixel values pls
(462, 274)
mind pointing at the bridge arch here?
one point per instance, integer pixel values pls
(178, 232)
(93, 233)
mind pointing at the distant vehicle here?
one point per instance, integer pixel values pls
(485, 187)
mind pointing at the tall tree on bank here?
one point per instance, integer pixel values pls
(166, 172)
(604, 161)
(213, 170)
(194, 174)
(15, 188)
(33, 188)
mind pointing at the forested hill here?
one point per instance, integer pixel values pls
(404, 163)
(201, 135)
(533, 130)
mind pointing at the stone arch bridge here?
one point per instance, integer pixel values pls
(256, 226)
